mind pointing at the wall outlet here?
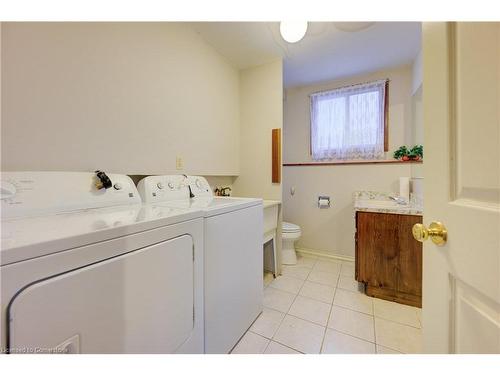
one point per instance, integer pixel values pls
(179, 163)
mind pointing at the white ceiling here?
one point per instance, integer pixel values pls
(326, 52)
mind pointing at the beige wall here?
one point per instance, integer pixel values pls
(417, 73)
(123, 97)
(296, 132)
(331, 231)
(261, 109)
(418, 128)
(417, 111)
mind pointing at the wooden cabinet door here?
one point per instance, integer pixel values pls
(410, 257)
(377, 249)
(388, 259)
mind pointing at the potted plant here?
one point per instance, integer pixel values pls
(416, 153)
(402, 153)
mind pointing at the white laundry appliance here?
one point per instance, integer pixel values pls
(232, 253)
(89, 270)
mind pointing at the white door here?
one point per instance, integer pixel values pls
(461, 283)
(139, 302)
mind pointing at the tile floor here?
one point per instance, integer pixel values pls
(316, 307)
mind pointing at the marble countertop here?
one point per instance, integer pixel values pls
(371, 201)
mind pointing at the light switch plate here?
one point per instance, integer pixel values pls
(179, 163)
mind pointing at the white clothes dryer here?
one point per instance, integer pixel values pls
(233, 272)
(88, 270)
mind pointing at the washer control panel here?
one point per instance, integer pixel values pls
(173, 187)
(199, 186)
(38, 193)
(153, 189)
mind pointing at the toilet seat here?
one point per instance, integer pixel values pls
(289, 228)
(289, 234)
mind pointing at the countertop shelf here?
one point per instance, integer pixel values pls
(380, 202)
(405, 210)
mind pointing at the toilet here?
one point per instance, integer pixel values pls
(289, 234)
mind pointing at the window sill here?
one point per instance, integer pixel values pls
(352, 162)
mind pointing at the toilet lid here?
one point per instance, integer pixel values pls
(289, 227)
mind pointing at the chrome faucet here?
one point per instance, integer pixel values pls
(399, 200)
(222, 192)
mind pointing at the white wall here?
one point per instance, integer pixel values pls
(261, 109)
(331, 231)
(417, 73)
(297, 118)
(296, 132)
(123, 97)
(418, 128)
(417, 110)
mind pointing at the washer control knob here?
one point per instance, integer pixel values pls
(118, 186)
(171, 185)
(198, 183)
(160, 185)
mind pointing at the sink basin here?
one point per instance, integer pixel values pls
(381, 202)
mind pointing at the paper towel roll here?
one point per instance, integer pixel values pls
(404, 188)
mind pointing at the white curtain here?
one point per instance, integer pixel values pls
(348, 123)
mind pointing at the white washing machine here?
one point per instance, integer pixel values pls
(232, 251)
(88, 270)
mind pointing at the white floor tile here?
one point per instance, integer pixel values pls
(320, 292)
(306, 261)
(268, 278)
(354, 301)
(311, 310)
(396, 312)
(322, 277)
(267, 323)
(339, 343)
(299, 272)
(348, 283)
(398, 337)
(352, 323)
(384, 350)
(277, 299)
(277, 348)
(327, 266)
(347, 269)
(301, 335)
(419, 315)
(251, 343)
(287, 284)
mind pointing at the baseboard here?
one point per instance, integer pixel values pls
(305, 251)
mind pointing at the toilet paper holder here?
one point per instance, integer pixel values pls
(323, 201)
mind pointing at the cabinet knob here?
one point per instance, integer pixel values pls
(436, 231)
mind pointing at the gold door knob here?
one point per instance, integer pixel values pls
(437, 232)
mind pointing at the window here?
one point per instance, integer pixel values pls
(350, 122)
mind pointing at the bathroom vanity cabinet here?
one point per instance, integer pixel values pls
(388, 258)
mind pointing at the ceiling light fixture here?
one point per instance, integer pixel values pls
(292, 32)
